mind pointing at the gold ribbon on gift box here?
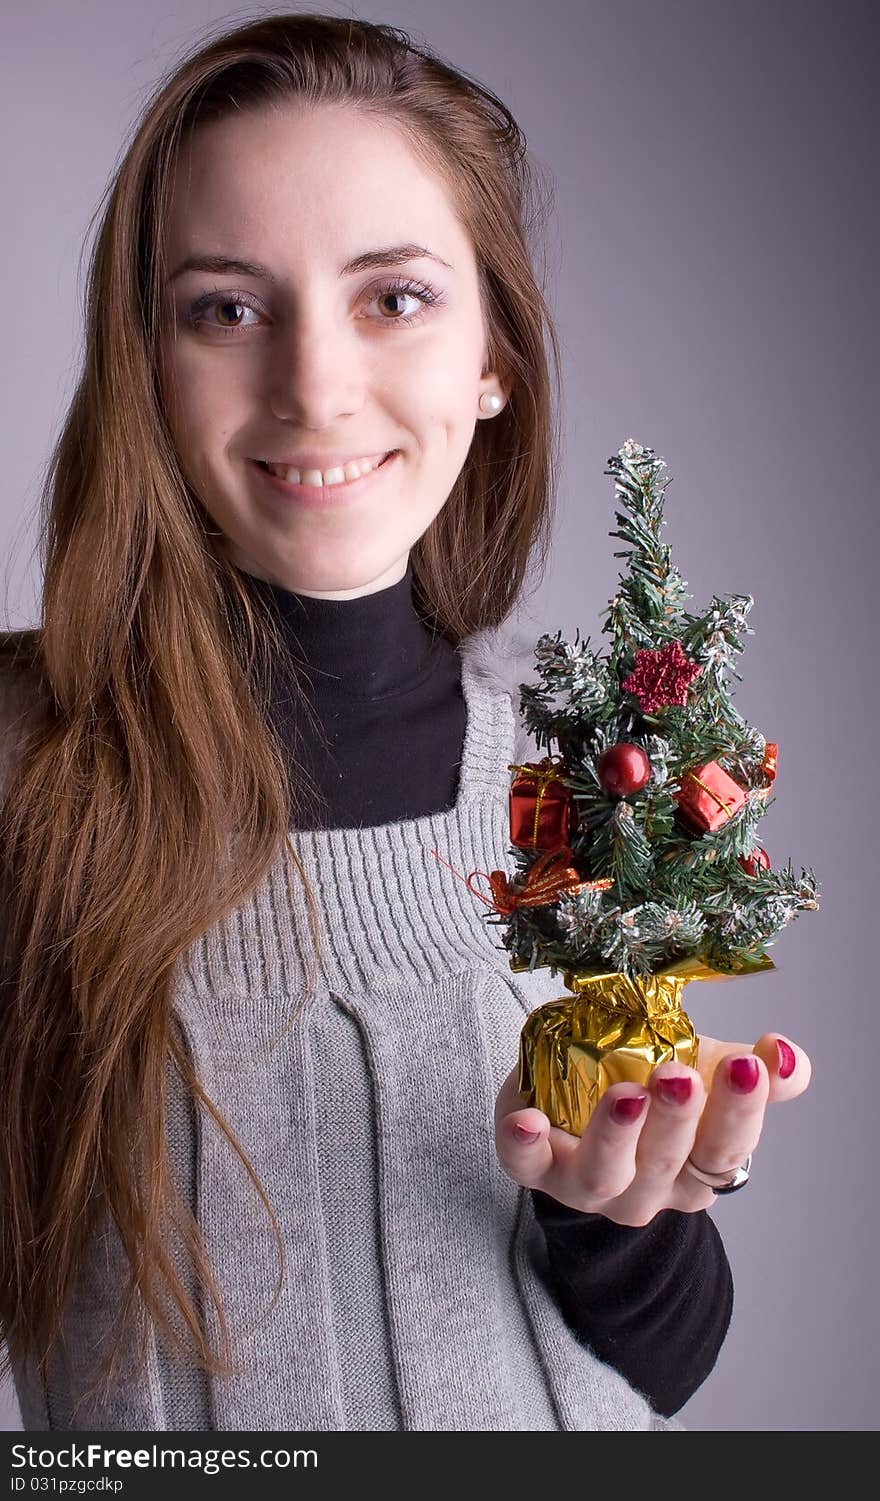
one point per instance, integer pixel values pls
(727, 807)
(612, 1028)
(542, 774)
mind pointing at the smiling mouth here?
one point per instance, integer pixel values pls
(291, 475)
(323, 494)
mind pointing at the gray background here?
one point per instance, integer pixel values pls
(711, 265)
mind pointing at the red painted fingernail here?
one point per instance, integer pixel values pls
(627, 1108)
(787, 1060)
(742, 1074)
(673, 1091)
(522, 1133)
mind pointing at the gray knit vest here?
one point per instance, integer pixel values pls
(415, 1293)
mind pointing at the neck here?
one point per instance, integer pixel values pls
(369, 647)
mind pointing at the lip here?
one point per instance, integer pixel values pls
(323, 497)
(323, 461)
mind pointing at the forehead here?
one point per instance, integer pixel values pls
(307, 179)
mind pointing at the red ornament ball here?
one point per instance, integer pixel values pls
(623, 769)
(757, 860)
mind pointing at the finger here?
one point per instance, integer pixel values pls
(678, 1096)
(713, 1051)
(730, 1126)
(522, 1141)
(776, 1050)
(788, 1067)
(509, 1096)
(602, 1164)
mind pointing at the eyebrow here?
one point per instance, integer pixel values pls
(227, 265)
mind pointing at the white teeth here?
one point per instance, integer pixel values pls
(338, 476)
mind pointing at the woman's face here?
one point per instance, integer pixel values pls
(308, 359)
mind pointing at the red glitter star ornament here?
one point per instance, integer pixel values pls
(661, 677)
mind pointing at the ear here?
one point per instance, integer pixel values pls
(492, 383)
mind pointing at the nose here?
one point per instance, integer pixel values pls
(315, 374)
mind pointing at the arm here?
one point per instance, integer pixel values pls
(654, 1300)
(638, 1267)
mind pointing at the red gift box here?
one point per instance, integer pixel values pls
(541, 807)
(708, 797)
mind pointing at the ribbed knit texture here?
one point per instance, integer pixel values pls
(415, 1294)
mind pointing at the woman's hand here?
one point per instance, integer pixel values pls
(629, 1163)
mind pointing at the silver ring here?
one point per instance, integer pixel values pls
(722, 1183)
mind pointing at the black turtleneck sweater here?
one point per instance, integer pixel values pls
(654, 1301)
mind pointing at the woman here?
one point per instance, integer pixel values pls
(308, 462)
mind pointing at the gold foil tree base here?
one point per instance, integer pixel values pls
(610, 1029)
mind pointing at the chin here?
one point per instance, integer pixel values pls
(350, 580)
(326, 578)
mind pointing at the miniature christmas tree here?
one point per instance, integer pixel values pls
(638, 866)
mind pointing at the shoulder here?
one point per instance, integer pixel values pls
(502, 658)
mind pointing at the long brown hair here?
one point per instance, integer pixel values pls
(147, 794)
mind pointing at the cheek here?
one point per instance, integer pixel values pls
(199, 410)
(436, 380)
(439, 405)
(178, 401)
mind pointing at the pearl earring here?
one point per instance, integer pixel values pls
(490, 402)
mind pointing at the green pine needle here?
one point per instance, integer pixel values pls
(676, 893)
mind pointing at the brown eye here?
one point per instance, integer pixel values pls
(226, 308)
(420, 293)
(219, 308)
(396, 296)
